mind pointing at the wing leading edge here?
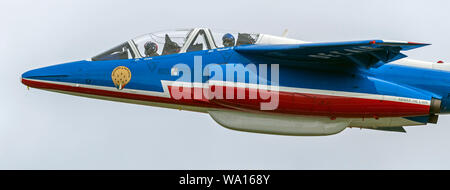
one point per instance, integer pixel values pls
(366, 54)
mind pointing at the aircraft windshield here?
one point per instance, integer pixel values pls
(122, 51)
(161, 43)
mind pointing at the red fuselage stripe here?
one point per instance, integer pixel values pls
(289, 103)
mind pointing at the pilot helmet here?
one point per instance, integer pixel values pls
(228, 40)
(150, 47)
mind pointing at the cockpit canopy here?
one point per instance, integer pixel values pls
(182, 41)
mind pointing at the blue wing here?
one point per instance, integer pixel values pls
(366, 54)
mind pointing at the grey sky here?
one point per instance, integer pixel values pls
(44, 130)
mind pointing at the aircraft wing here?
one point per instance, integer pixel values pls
(366, 54)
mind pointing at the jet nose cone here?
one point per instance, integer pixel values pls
(26, 76)
(46, 73)
(30, 76)
(33, 74)
(48, 77)
(38, 77)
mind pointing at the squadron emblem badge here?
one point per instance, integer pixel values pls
(121, 76)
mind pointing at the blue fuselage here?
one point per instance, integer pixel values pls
(147, 74)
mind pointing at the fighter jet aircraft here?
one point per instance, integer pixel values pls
(263, 83)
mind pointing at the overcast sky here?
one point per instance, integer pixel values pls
(45, 130)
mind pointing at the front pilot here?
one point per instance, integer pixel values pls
(151, 49)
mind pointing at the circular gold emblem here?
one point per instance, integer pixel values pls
(121, 76)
